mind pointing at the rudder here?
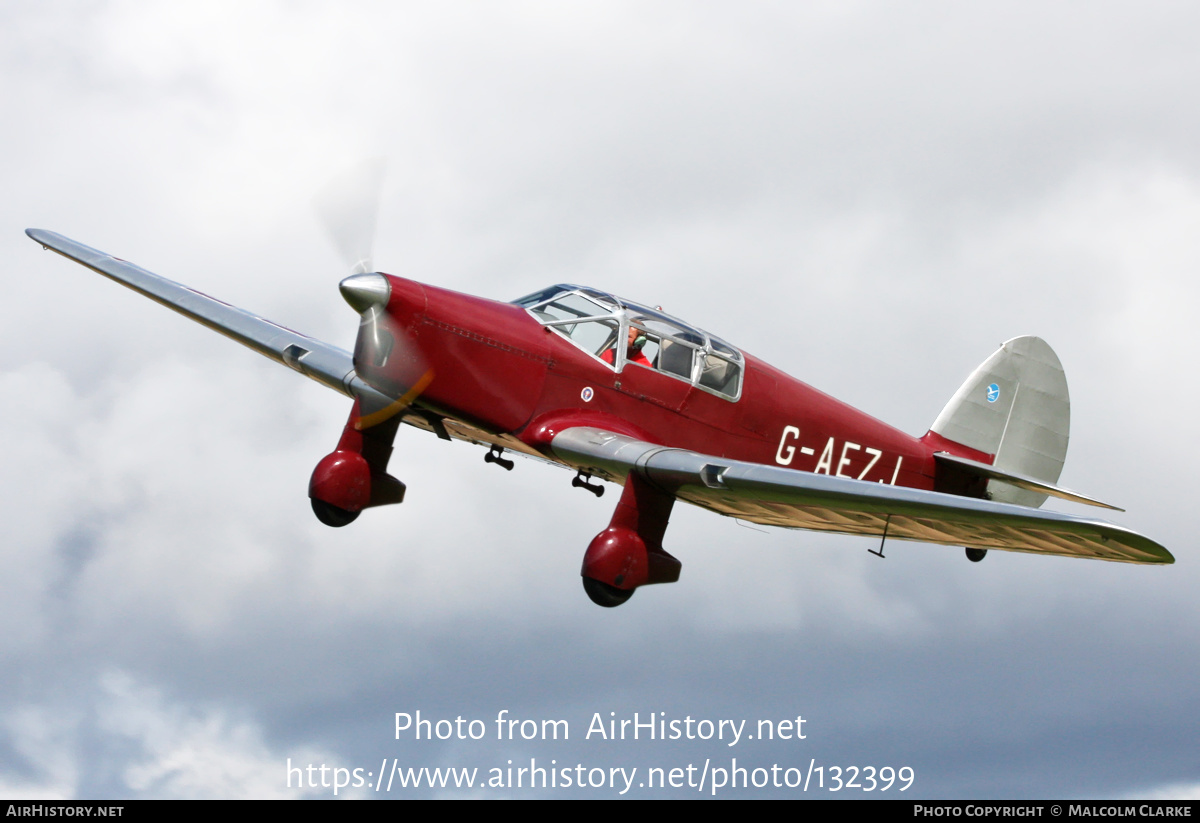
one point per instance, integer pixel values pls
(1016, 407)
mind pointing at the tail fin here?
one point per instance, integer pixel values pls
(1015, 407)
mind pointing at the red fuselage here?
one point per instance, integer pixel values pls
(501, 371)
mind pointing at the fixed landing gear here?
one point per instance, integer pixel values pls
(331, 515)
(605, 595)
(975, 555)
(354, 476)
(629, 553)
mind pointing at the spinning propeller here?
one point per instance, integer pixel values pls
(385, 355)
(349, 208)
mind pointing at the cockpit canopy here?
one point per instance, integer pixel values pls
(616, 331)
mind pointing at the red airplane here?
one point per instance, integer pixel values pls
(626, 393)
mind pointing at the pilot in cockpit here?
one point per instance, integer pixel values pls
(633, 349)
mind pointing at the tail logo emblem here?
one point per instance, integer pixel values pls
(993, 393)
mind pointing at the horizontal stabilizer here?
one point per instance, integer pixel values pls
(1021, 481)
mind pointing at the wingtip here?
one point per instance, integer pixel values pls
(39, 236)
(1162, 556)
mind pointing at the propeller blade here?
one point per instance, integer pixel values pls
(349, 209)
(386, 355)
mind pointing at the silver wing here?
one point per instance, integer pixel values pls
(783, 497)
(324, 363)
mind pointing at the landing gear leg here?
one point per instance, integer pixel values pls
(629, 552)
(354, 476)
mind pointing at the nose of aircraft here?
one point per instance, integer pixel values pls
(362, 291)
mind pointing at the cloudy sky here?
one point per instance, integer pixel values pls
(871, 196)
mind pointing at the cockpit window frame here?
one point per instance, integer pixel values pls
(708, 353)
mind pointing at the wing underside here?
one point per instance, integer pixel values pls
(782, 497)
